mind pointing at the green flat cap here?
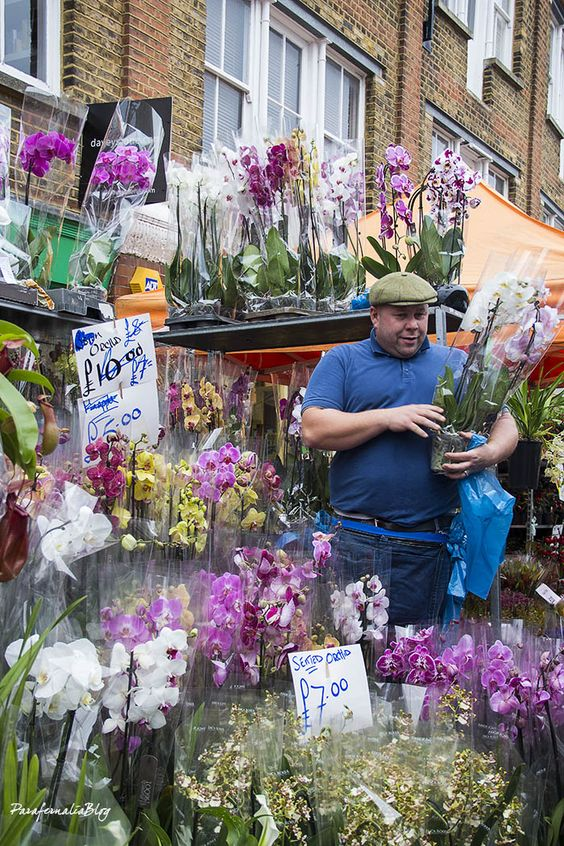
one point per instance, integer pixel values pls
(401, 289)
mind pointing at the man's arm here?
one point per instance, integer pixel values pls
(501, 445)
(328, 428)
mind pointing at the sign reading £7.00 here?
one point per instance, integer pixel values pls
(115, 355)
(331, 689)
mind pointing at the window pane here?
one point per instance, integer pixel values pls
(210, 83)
(292, 76)
(440, 144)
(290, 121)
(275, 47)
(229, 112)
(273, 118)
(500, 37)
(20, 35)
(237, 18)
(213, 32)
(351, 93)
(332, 98)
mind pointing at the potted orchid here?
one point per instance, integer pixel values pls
(120, 182)
(537, 410)
(427, 241)
(512, 327)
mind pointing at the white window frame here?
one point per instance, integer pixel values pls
(474, 156)
(49, 39)
(483, 43)
(495, 11)
(308, 47)
(315, 51)
(493, 170)
(459, 9)
(555, 104)
(239, 84)
(350, 69)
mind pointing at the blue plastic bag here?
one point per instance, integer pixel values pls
(478, 535)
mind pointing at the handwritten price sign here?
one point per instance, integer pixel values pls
(133, 412)
(115, 355)
(331, 689)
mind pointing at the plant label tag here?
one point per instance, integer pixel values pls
(116, 355)
(548, 594)
(331, 689)
(132, 412)
(6, 272)
(106, 310)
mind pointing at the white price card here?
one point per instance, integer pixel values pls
(548, 594)
(133, 412)
(115, 355)
(331, 689)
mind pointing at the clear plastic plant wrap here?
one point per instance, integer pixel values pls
(121, 179)
(511, 329)
(50, 133)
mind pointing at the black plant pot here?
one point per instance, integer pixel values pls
(524, 466)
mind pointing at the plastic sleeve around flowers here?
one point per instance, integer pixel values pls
(120, 182)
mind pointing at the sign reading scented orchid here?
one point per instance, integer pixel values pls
(115, 355)
(331, 689)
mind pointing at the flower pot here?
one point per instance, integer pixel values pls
(524, 466)
(443, 442)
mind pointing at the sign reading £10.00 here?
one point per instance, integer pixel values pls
(115, 355)
(117, 372)
(331, 689)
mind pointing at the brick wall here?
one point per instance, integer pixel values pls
(146, 48)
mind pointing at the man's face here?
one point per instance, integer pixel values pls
(400, 330)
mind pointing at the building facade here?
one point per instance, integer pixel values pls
(485, 77)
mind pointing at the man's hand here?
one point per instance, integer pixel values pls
(501, 444)
(415, 418)
(459, 465)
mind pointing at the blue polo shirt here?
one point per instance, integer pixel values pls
(389, 476)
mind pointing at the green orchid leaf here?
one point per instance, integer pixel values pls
(26, 430)
(373, 267)
(17, 375)
(11, 332)
(237, 832)
(387, 258)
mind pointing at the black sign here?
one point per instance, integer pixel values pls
(96, 126)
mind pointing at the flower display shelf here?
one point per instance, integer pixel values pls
(17, 294)
(296, 331)
(35, 318)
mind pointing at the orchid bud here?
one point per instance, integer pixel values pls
(129, 543)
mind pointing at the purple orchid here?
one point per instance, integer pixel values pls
(398, 157)
(39, 150)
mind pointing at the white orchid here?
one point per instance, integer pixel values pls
(152, 688)
(77, 530)
(353, 604)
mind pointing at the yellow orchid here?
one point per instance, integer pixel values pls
(122, 514)
(253, 520)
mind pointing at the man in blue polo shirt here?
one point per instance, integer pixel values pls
(372, 402)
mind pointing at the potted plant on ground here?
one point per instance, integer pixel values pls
(538, 411)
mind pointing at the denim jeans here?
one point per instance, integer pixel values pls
(415, 574)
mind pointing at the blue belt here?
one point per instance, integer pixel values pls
(368, 529)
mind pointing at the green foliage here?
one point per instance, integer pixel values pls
(555, 825)
(437, 258)
(537, 410)
(482, 398)
(41, 254)
(18, 426)
(95, 260)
